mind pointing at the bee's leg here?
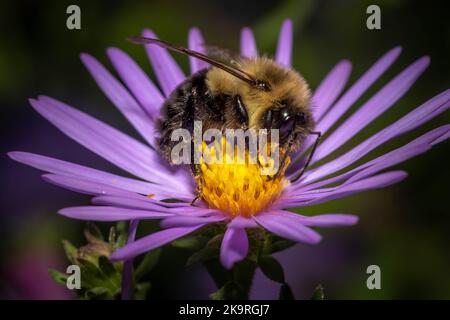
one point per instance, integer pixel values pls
(285, 155)
(316, 143)
(196, 171)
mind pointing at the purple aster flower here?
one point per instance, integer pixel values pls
(123, 198)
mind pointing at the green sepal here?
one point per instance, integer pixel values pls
(286, 293)
(97, 293)
(147, 264)
(57, 276)
(230, 291)
(271, 268)
(318, 293)
(202, 255)
(141, 289)
(190, 242)
(71, 251)
(92, 232)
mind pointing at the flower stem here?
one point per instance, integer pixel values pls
(127, 275)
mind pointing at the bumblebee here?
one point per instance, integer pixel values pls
(240, 93)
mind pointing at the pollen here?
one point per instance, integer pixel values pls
(235, 184)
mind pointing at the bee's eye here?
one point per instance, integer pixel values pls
(286, 127)
(268, 119)
(241, 110)
(285, 114)
(262, 85)
(302, 118)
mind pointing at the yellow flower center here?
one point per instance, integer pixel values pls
(238, 186)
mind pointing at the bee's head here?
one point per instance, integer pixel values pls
(290, 120)
(278, 99)
(285, 106)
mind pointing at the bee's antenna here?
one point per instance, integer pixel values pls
(238, 73)
(316, 143)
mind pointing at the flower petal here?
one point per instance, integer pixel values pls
(242, 223)
(370, 168)
(137, 82)
(166, 69)
(196, 43)
(248, 44)
(109, 143)
(284, 227)
(379, 103)
(284, 49)
(134, 203)
(187, 221)
(65, 168)
(379, 181)
(151, 242)
(234, 247)
(382, 180)
(330, 220)
(346, 101)
(412, 120)
(357, 89)
(87, 186)
(83, 185)
(121, 98)
(322, 220)
(442, 138)
(96, 213)
(330, 88)
(412, 149)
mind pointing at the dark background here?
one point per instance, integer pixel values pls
(403, 229)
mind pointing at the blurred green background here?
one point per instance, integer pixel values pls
(403, 229)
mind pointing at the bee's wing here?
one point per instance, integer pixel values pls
(220, 54)
(244, 76)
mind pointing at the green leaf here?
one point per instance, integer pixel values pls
(92, 232)
(230, 291)
(219, 274)
(122, 234)
(279, 245)
(286, 293)
(147, 264)
(71, 251)
(59, 277)
(98, 293)
(112, 236)
(318, 293)
(190, 242)
(215, 241)
(202, 255)
(141, 290)
(106, 267)
(243, 273)
(271, 268)
(91, 275)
